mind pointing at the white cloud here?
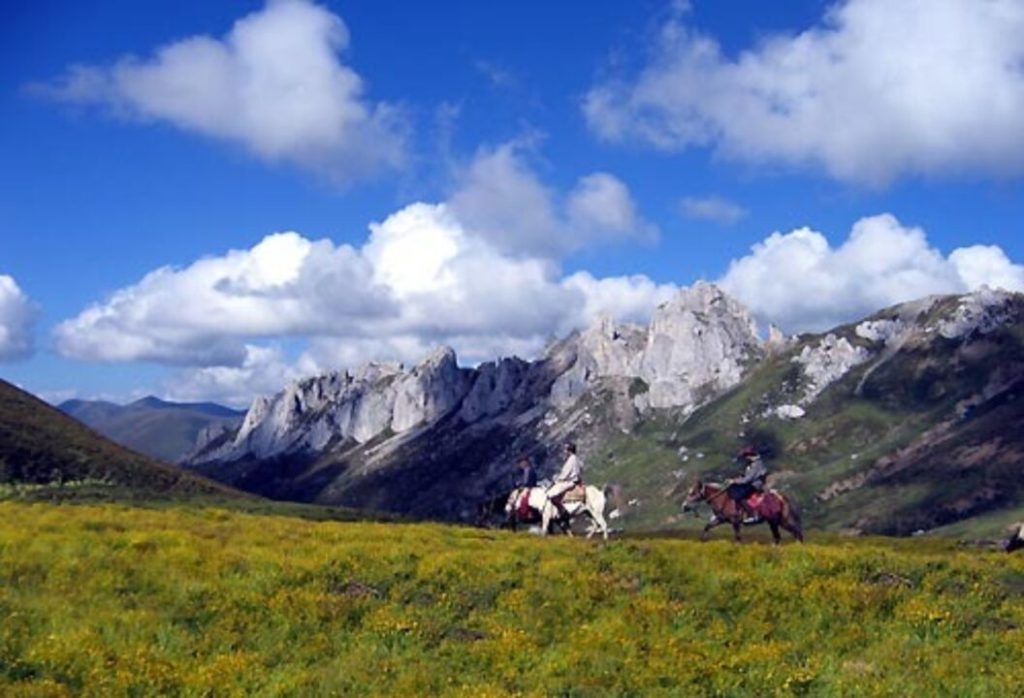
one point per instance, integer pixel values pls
(623, 297)
(600, 207)
(263, 371)
(480, 273)
(421, 279)
(274, 84)
(712, 208)
(202, 314)
(502, 200)
(981, 265)
(17, 321)
(800, 282)
(878, 90)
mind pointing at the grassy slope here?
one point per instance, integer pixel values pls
(39, 444)
(113, 601)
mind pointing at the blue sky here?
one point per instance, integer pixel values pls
(530, 165)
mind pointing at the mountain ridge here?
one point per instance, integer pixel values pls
(434, 439)
(164, 430)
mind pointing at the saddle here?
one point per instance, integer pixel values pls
(767, 503)
(576, 494)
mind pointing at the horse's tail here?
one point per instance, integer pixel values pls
(792, 512)
(613, 493)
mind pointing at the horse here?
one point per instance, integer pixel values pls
(774, 507)
(537, 503)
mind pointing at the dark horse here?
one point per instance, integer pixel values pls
(774, 508)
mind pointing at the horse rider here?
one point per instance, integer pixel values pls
(527, 476)
(568, 477)
(753, 480)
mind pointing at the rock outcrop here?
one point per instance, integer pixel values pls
(697, 345)
(828, 361)
(982, 311)
(338, 407)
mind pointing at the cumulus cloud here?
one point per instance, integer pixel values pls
(877, 90)
(421, 279)
(17, 320)
(263, 371)
(712, 208)
(501, 199)
(273, 84)
(479, 272)
(802, 283)
(623, 297)
(201, 314)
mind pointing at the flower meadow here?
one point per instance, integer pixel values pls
(109, 600)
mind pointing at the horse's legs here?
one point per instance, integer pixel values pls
(795, 530)
(774, 525)
(736, 525)
(598, 519)
(712, 522)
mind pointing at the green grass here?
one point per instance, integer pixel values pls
(110, 600)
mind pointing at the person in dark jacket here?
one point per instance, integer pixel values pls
(527, 476)
(753, 480)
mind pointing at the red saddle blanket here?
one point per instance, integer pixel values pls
(767, 504)
(523, 505)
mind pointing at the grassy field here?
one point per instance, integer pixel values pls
(108, 600)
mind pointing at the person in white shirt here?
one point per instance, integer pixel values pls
(568, 477)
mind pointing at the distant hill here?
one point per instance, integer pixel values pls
(41, 445)
(164, 430)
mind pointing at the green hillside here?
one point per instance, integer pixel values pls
(918, 440)
(101, 601)
(45, 452)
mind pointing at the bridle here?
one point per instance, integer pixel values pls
(702, 496)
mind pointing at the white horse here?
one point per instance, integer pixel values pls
(592, 504)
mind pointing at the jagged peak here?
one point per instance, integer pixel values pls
(701, 295)
(439, 355)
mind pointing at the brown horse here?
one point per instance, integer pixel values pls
(774, 508)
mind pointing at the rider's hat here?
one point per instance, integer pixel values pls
(748, 453)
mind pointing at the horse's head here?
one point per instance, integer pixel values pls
(511, 501)
(694, 494)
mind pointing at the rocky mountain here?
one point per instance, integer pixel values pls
(43, 448)
(164, 430)
(867, 424)
(375, 436)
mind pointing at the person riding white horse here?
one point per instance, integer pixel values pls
(568, 478)
(525, 502)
